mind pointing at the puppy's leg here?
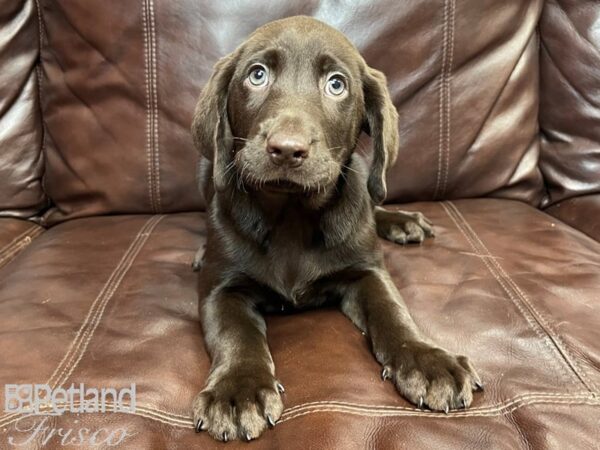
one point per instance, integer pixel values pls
(402, 227)
(424, 373)
(241, 397)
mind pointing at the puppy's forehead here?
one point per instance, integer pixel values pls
(303, 35)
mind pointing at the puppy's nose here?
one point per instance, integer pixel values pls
(288, 150)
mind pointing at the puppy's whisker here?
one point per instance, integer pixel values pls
(239, 180)
(349, 168)
(244, 167)
(228, 168)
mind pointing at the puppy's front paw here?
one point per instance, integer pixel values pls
(431, 377)
(240, 404)
(403, 227)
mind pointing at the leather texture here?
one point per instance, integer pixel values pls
(570, 98)
(456, 81)
(126, 312)
(497, 98)
(21, 160)
(582, 213)
(15, 235)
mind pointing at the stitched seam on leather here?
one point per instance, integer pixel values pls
(41, 29)
(152, 149)
(360, 409)
(15, 250)
(148, 121)
(148, 414)
(151, 413)
(590, 402)
(538, 316)
(149, 107)
(156, 149)
(486, 256)
(88, 334)
(501, 405)
(472, 411)
(18, 244)
(91, 321)
(17, 238)
(442, 97)
(359, 406)
(448, 98)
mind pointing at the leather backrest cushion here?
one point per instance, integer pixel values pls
(121, 80)
(570, 98)
(21, 163)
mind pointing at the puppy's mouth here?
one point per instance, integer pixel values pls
(284, 186)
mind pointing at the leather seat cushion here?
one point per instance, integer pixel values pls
(108, 301)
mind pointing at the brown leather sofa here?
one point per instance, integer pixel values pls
(499, 104)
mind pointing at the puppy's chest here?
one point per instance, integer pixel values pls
(292, 262)
(293, 270)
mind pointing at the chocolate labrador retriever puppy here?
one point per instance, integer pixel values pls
(293, 222)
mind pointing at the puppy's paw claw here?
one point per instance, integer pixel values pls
(239, 406)
(431, 377)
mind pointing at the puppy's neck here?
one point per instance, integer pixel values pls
(272, 203)
(330, 218)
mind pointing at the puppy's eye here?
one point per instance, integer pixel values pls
(335, 86)
(258, 76)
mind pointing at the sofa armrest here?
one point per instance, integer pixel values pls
(569, 100)
(582, 213)
(21, 132)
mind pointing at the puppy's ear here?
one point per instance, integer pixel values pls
(382, 125)
(210, 128)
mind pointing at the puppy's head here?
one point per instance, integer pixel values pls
(284, 111)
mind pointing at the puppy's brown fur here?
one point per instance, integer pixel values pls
(293, 222)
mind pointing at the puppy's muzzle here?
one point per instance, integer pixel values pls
(288, 150)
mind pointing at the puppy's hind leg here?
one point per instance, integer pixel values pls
(402, 227)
